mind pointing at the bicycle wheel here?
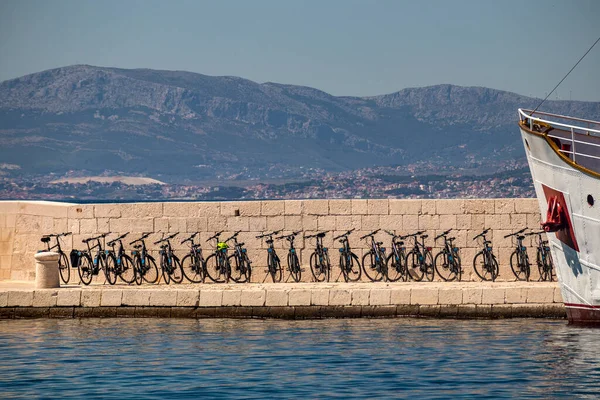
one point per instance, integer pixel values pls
(317, 267)
(494, 267)
(192, 268)
(274, 268)
(395, 269)
(294, 267)
(372, 267)
(164, 268)
(444, 266)
(413, 266)
(428, 268)
(110, 268)
(64, 268)
(519, 267)
(176, 270)
(137, 273)
(456, 265)
(247, 268)
(353, 268)
(237, 273)
(485, 269)
(127, 271)
(85, 269)
(148, 269)
(214, 270)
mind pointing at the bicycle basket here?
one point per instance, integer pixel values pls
(75, 255)
(222, 246)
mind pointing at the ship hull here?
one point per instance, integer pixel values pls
(575, 248)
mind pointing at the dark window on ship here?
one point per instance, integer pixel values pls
(527, 144)
(590, 200)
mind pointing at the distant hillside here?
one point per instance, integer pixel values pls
(168, 122)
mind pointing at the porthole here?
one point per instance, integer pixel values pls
(590, 200)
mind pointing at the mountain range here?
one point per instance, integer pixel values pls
(178, 124)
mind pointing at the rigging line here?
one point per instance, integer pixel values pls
(565, 77)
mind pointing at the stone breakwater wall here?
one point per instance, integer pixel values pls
(23, 222)
(291, 301)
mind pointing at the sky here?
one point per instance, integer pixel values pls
(344, 47)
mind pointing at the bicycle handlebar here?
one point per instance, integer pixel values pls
(345, 234)
(268, 234)
(482, 233)
(315, 235)
(515, 233)
(370, 234)
(114, 241)
(445, 233)
(233, 236)
(144, 236)
(215, 236)
(189, 239)
(167, 238)
(290, 236)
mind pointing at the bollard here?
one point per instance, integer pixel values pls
(46, 270)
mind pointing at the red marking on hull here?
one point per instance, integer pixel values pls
(583, 314)
(567, 234)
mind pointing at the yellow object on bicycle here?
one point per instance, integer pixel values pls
(222, 246)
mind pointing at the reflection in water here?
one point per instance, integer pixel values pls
(170, 358)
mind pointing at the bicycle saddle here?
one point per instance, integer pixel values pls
(520, 237)
(45, 239)
(544, 242)
(241, 244)
(424, 236)
(400, 243)
(451, 239)
(487, 242)
(137, 246)
(321, 235)
(379, 243)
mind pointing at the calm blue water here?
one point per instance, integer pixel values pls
(170, 358)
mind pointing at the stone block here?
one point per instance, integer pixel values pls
(272, 208)
(315, 207)
(428, 207)
(232, 298)
(45, 297)
(68, 297)
(20, 298)
(528, 310)
(80, 211)
(197, 224)
(407, 310)
(493, 296)
(447, 222)
(429, 310)
(107, 210)
(326, 223)
(299, 297)
(391, 223)
(319, 297)
(253, 298)
(370, 222)
(135, 298)
(211, 298)
(463, 221)
(132, 225)
(449, 206)
(235, 224)
(309, 222)
(410, 223)
(276, 223)
(501, 311)
(427, 222)
(380, 297)
(527, 206)
(230, 208)
(292, 223)
(340, 297)
(472, 296)
(478, 222)
(163, 298)
(360, 297)
(276, 298)
(154, 210)
(558, 298)
(103, 224)
(377, 207)
(534, 221)
(404, 207)
(88, 226)
(400, 295)
(479, 206)
(555, 310)
(450, 296)
(388, 311)
(188, 297)
(359, 207)
(216, 223)
(257, 224)
(32, 312)
(90, 298)
(540, 295)
(3, 299)
(420, 296)
(61, 312)
(111, 298)
(518, 221)
(504, 206)
(293, 207)
(340, 207)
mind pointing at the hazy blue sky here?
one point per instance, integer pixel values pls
(344, 47)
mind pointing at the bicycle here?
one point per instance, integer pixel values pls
(447, 261)
(119, 262)
(273, 262)
(397, 269)
(144, 263)
(376, 271)
(64, 267)
(419, 263)
(193, 264)
(88, 266)
(242, 266)
(349, 263)
(169, 262)
(292, 258)
(484, 262)
(319, 259)
(543, 258)
(519, 260)
(217, 264)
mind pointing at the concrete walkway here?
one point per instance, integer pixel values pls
(286, 300)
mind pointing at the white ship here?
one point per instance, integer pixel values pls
(564, 158)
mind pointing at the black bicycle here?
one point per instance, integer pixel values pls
(144, 263)
(193, 264)
(169, 262)
(519, 260)
(119, 262)
(64, 266)
(89, 266)
(292, 259)
(240, 264)
(419, 261)
(373, 261)
(484, 262)
(349, 263)
(218, 268)
(273, 262)
(447, 261)
(320, 265)
(395, 262)
(543, 258)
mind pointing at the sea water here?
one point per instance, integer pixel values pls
(245, 358)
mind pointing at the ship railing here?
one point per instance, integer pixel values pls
(576, 132)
